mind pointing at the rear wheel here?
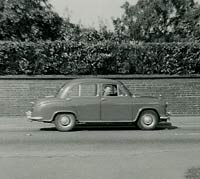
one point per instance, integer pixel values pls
(65, 122)
(148, 120)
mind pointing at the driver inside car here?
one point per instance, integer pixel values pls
(110, 91)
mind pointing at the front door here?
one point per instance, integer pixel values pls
(116, 105)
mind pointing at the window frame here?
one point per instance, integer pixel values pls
(79, 90)
(86, 84)
(119, 87)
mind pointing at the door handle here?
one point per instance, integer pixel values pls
(103, 99)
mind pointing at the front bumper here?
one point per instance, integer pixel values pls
(31, 118)
(165, 118)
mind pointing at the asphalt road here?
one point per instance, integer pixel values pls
(34, 150)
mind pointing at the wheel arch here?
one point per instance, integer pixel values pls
(63, 112)
(145, 109)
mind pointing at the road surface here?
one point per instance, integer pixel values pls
(34, 150)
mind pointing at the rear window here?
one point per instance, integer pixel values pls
(88, 90)
(83, 90)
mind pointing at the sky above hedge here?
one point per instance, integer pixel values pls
(90, 12)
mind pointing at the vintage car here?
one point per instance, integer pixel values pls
(99, 101)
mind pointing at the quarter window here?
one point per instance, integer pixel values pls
(121, 92)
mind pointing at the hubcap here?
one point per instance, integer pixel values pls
(64, 120)
(148, 120)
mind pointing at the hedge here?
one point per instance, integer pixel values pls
(108, 57)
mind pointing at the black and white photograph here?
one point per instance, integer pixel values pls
(99, 89)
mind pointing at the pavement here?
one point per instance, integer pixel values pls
(189, 121)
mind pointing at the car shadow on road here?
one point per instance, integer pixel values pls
(94, 128)
(110, 127)
(167, 125)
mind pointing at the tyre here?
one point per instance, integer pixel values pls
(148, 120)
(65, 122)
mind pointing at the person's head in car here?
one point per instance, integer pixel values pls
(109, 91)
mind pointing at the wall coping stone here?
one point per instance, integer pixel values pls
(69, 77)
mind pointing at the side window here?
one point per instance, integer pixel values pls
(113, 90)
(121, 92)
(88, 90)
(110, 90)
(74, 91)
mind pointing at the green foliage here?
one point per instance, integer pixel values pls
(29, 20)
(105, 57)
(159, 21)
(34, 40)
(34, 20)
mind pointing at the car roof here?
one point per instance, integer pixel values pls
(93, 80)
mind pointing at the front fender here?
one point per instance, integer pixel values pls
(136, 117)
(62, 112)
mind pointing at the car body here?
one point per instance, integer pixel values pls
(83, 101)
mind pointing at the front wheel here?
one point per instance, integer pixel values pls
(64, 122)
(148, 120)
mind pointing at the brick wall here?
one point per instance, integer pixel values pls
(182, 93)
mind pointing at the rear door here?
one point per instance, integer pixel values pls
(116, 107)
(86, 98)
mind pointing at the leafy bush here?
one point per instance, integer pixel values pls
(105, 57)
